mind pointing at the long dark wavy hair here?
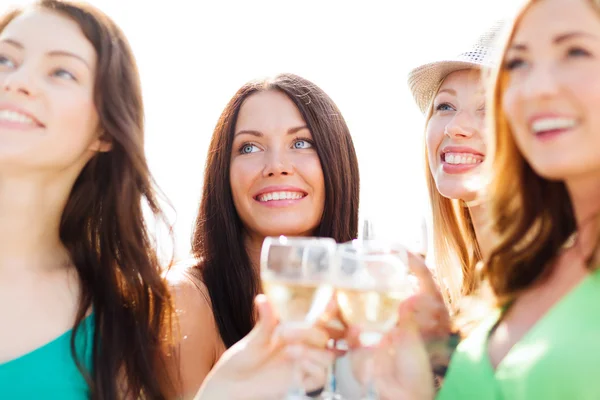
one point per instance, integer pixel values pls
(218, 239)
(103, 226)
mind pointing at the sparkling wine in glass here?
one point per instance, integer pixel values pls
(296, 277)
(371, 281)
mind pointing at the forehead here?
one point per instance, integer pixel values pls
(45, 31)
(270, 108)
(465, 80)
(546, 19)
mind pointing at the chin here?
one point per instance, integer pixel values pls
(456, 191)
(557, 171)
(288, 228)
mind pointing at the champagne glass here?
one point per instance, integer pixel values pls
(371, 282)
(296, 277)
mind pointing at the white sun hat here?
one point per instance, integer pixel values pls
(425, 80)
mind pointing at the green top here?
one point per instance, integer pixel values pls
(558, 358)
(50, 372)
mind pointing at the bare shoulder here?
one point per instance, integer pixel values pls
(186, 285)
(196, 342)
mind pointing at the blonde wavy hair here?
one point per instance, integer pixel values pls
(454, 240)
(532, 216)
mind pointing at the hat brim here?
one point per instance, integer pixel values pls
(425, 80)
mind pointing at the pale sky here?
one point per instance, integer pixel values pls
(193, 55)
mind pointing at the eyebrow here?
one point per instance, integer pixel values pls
(448, 90)
(53, 53)
(559, 39)
(290, 131)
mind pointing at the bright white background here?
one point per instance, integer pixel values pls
(194, 54)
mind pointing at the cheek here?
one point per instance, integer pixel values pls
(309, 166)
(434, 136)
(509, 108)
(77, 110)
(241, 176)
(513, 112)
(74, 125)
(589, 98)
(77, 114)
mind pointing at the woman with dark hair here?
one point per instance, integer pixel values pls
(281, 162)
(82, 301)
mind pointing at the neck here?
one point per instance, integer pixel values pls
(482, 234)
(585, 200)
(30, 214)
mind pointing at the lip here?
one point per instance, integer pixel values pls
(549, 135)
(272, 189)
(535, 117)
(279, 203)
(461, 149)
(12, 107)
(459, 168)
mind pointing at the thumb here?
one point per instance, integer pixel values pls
(267, 322)
(417, 266)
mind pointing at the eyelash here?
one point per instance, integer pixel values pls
(296, 140)
(572, 52)
(303, 139)
(244, 145)
(4, 59)
(439, 107)
(580, 52)
(59, 71)
(513, 64)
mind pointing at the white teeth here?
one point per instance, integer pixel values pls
(13, 116)
(550, 124)
(461, 158)
(280, 196)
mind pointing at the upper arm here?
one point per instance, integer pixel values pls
(196, 344)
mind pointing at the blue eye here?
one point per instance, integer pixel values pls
(444, 107)
(302, 144)
(5, 61)
(63, 74)
(248, 148)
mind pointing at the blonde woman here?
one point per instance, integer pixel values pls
(451, 95)
(545, 202)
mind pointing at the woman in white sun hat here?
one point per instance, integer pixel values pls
(451, 94)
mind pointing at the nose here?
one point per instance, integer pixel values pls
(463, 126)
(540, 82)
(277, 163)
(18, 81)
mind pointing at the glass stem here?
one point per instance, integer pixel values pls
(296, 391)
(369, 376)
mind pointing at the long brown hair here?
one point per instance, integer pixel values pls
(533, 216)
(103, 226)
(218, 236)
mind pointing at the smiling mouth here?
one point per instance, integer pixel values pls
(462, 158)
(544, 126)
(274, 196)
(18, 118)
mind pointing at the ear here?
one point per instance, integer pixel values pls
(102, 144)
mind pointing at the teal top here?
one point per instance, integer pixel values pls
(50, 372)
(558, 358)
